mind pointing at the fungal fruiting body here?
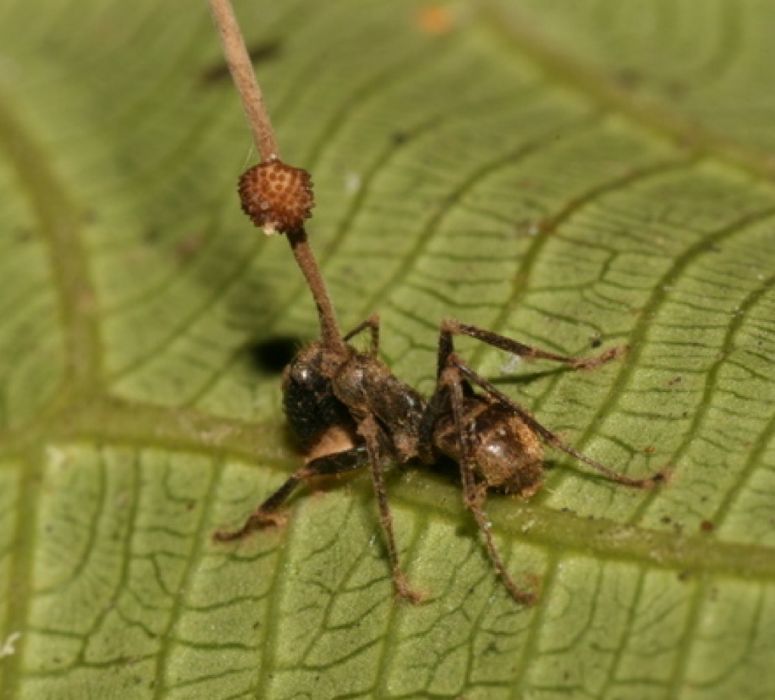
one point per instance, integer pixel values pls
(277, 197)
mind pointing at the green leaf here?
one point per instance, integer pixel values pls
(569, 174)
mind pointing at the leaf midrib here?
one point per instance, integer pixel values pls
(133, 423)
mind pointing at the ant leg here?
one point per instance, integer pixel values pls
(474, 495)
(451, 327)
(436, 408)
(372, 323)
(550, 437)
(266, 514)
(369, 430)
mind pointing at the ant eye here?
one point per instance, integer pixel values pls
(276, 197)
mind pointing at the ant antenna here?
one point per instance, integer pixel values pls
(276, 197)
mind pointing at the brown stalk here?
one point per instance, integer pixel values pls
(241, 68)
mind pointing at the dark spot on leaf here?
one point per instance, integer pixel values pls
(261, 52)
(399, 137)
(629, 78)
(270, 355)
(152, 235)
(707, 526)
(23, 235)
(596, 341)
(188, 246)
(676, 89)
(461, 530)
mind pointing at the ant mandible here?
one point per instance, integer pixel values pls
(331, 387)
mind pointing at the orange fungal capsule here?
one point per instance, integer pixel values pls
(277, 197)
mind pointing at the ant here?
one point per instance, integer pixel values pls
(346, 407)
(348, 410)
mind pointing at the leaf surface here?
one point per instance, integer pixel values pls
(575, 175)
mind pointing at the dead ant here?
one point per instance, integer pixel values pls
(348, 410)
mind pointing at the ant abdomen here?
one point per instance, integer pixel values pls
(507, 454)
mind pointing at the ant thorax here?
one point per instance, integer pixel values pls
(368, 387)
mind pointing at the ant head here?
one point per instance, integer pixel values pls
(308, 397)
(277, 197)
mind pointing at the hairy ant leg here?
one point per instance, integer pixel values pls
(452, 327)
(475, 494)
(551, 438)
(266, 514)
(372, 323)
(369, 430)
(437, 408)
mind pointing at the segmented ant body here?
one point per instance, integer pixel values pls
(330, 387)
